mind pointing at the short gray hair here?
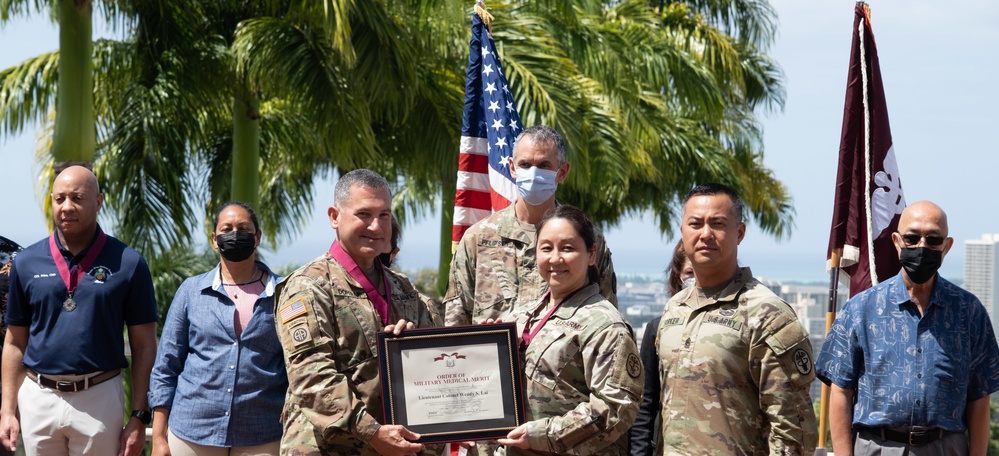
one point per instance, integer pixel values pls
(544, 134)
(363, 177)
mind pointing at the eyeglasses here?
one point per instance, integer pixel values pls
(913, 239)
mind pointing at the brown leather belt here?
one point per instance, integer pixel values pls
(914, 437)
(72, 387)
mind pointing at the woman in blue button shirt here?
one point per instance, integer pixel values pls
(219, 378)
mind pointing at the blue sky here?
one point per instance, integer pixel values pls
(938, 62)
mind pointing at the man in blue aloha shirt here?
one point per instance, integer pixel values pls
(911, 361)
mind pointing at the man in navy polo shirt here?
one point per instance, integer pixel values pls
(70, 295)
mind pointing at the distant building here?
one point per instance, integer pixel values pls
(810, 302)
(981, 274)
(643, 298)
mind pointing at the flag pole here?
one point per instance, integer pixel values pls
(483, 12)
(834, 260)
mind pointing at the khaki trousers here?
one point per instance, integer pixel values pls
(86, 422)
(181, 447)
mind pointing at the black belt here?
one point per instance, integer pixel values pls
(916, 436)
(72, 387)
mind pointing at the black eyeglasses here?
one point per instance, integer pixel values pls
(913, 239)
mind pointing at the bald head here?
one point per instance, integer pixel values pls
(922, 224)
(923, 214)
(78, 175)
(76, 199)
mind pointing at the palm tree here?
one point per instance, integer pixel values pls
(652, 99)
(247, 100)
(74, 130)
(226, 99)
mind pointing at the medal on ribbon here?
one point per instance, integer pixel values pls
(72, 279)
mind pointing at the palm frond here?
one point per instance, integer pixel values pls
(27, 92)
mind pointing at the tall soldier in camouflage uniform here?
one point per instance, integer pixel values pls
(584, 375)
(735, 363)
(328, 313)
(495, 267)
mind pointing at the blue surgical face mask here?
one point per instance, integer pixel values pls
(688, 282)
(536, 185)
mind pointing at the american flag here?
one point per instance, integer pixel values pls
(490, 124)
(292, 310)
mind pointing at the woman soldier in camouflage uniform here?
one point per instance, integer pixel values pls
(584, 376)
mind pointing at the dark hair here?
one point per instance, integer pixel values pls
(711, 189)
(583, 226)
(363, 177)
(543, 134)
(673, 281)
(386, 258)
(253, 214)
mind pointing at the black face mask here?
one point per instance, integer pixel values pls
(236, 245)
(920, 263)
(385, 259)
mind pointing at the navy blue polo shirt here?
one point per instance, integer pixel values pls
(116, 290)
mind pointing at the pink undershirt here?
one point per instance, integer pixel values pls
(244, 296)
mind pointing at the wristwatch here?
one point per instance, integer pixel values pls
(143, 415)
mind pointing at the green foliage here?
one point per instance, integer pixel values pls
(171, 267)
(652, 98)
(816, 406)
(425, 280)
(993, 448)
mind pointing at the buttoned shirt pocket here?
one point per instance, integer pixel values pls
(495, 277)
(408, 306)
(353, 344)
(553, 355)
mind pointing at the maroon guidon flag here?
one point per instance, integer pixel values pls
(869, 196)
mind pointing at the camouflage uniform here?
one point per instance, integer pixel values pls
(735, 371)
(584, 378)
(495, 268)
(334, 400)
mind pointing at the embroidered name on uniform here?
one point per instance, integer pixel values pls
(295, 309)
(490, 243)
(673, 321)
(572, 324)
(734, 324)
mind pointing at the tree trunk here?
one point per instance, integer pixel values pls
(447, 223)
(246, 148)
(75, 136)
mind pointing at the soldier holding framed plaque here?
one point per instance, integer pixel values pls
(328, 315)
(584, 378)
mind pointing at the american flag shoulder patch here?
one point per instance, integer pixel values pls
(289, 311)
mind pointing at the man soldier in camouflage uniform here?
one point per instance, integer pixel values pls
(735, 363)
(495, 267)
(328, 314)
